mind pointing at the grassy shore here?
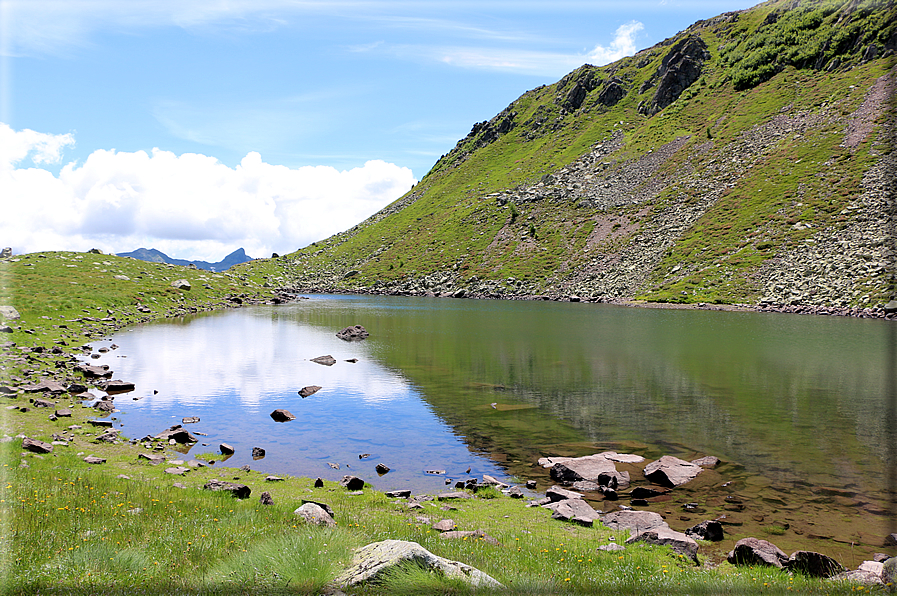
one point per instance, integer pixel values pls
(126, 526)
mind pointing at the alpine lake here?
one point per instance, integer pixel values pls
(443, 390)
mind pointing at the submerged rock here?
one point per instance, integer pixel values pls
(354, 333)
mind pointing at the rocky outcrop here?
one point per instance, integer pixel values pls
(371, 562)
(679, 69)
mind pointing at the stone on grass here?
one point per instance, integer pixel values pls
(372, 561)
(469, 535)
(239, 491)
(177, 470)
(444, 525)
(91, 459)
(573, 510)
(399, 494)
(352, 483)
(813, 564)
(266, 498)
(665, 536)
(313, 513)
(36, 446)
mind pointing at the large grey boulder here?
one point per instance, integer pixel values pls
(372, 561)
(575, 510)
(36, 446)
(671, 471)
(238, 491)
(634, 521)
(665, 536)
(354, 333)
(753, 551)
(181, 284)
(315, 514)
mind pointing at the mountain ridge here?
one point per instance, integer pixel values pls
(747, 159)
(156, 256)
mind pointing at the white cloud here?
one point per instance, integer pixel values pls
(622, 45)
(188, 206)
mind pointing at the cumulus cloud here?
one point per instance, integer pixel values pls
(622, 45)
(188, 206)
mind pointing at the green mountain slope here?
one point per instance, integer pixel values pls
(746, 159)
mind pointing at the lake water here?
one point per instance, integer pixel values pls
(794, 406)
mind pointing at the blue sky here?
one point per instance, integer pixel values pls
(196, 127)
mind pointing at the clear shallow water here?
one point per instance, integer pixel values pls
(794, 405)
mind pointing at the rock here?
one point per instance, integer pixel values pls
(382, 469)
(282, 416)
(190, 420)
(154, 458)
(453, 495)
(76, 388)
(47, 386)
(239, 491)
(515, 492)
(612, 547)
(444, 525)
(110, 436)
(644, 492)
(556, 493)
(266, 499)
(889, 572)
(583, 468)
(334, 466)
(178, 434)
(177, 471)
(663, 536)
(311, 389)
(891, 540)
(36, 446)
(354, 333)
(679, 69)
(398, 494)
(104, 405)
(118, 386)
(104, 423)
(880, 557)
(319, 483)
(753, 551)
(94, 460)
(258, 453)
(706, 462)
(8, 312)
(706, 530)
(859, 576)
(813, 564)
(273, 479)
(352, 483)
(372, 561)
(64, 413)
(226, 449)
(94, 371)
(531, 484)
(181, 284)
(327, 360)
(313, 513)
(573, 510)
(671, 471)
(634, 521)
(472, 534)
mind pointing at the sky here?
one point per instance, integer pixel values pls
(199, 127)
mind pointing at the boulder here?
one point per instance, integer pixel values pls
(515, 492)
(282, 416)
(190, 420)
(813, 564)
(42, 403)
(327, 360)
(556, 493)
(323, 506)
(706, 530)
(398, 494)
(444, 525)
(226, 449)
(36, 446)
(313, 513)
(645, 492)
(8, 312)
(104, 405)
(634, 521)
(889, 572)
(612, 547)
(238, 491)
(47, 386)
(382, 469)
(181, 284)
(753, 551)
(706, 462)
(319, 483)
(258, 453)
(92, 372)
(352, 483)
(311, 389)
(64, 413)
(453, 495)
(178, 434)
(372, 561)
(471, 534)
(266, 499)
(671, 471)
(91, 459)
(354, 333)
(177, 470)
(118, 386)
(154, 458)
(573, 510)
(665, 536)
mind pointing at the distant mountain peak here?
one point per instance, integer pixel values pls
(156, 256)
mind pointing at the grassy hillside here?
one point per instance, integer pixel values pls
(743, 160)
